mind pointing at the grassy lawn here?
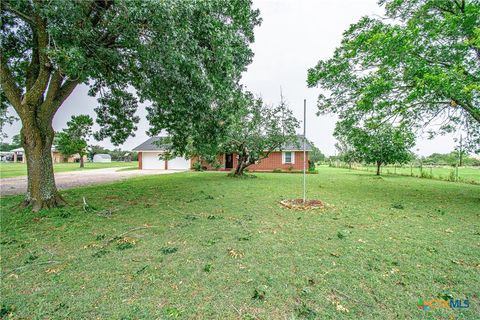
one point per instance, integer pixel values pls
(9, 170)
(465, 174)
(205, 246)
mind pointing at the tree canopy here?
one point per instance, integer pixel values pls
(419, 65)
(15, 143)
(379, 144)
(257, 130)
(316, 155)
(183, 58)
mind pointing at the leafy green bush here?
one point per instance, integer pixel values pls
(197, 166)
(217, 165)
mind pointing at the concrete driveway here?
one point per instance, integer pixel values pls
(67, 180)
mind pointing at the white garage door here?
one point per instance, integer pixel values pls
(150, 160)
(179, 163)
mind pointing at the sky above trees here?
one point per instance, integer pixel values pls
(293, 36)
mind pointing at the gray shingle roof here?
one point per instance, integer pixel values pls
(150, 145)
(298, 145)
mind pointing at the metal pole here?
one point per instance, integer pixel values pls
(304, 151)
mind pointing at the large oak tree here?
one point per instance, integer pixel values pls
(186, 57)
(418, 65)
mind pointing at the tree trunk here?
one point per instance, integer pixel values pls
(240, 167)
(243, 163)
(378, 167)
(37, 142)
(81, 162)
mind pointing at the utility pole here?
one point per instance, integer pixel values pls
(304, 151)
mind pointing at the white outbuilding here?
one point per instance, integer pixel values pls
(102, 157)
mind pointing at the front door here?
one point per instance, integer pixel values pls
(228, 161)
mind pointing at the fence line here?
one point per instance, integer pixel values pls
(444, 173)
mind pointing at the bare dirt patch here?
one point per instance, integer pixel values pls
(299, 204)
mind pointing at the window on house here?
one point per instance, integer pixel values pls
(288, 157)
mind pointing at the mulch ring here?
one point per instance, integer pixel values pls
(298, 204)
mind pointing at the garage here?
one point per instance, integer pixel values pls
(151, 160)
(149, 153)
(179, 163)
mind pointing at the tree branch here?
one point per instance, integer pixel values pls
(473, 111)
(62, 94)
(12, 92)
(54, 85)
(39, 86)
(25, 17)
(33, 66)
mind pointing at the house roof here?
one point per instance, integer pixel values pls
(23, 150)
(298, 145)
(150, 145)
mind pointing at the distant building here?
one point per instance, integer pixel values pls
(6, 156)
(57, 156)
(102, 157)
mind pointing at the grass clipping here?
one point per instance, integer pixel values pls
(300, 205)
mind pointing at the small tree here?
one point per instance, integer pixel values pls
(316, 155)
(74, 139)
(346, 153)
(16, 143)
(257, 130)
(380, 144)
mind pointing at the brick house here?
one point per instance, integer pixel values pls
(289, 158)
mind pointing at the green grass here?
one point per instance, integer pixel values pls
(465, 174)
(205, 246)
(9, 170)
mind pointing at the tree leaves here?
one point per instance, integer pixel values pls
(74, 138)
(373, 143)
(116, 116)
(183, 58)
(258, 129)
(419, 67)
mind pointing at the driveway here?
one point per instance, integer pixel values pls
(67, 180)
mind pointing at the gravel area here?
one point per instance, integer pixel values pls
(67, 180)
